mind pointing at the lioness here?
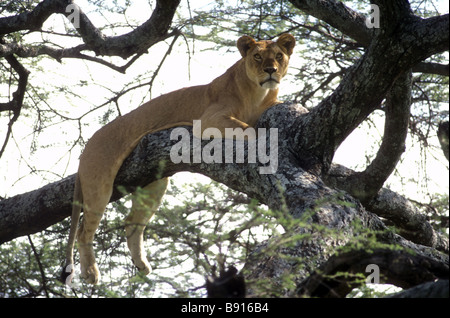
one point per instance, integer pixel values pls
(235, 99)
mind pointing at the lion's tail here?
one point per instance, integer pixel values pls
(68, 269)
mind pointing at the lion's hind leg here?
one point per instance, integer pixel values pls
(144, 205)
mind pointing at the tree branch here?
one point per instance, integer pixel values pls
(339, 16)
(14, 105)
(437, 289)
(431, 35)
(34, 211)
(135, 42)
(33, 20)
(367, 82)
(400, 268)
(366, 184)
(410, 222)
(432, 68)
(392, 13)
(353, 25)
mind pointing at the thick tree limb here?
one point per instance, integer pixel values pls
(353, 25)
(392, 52)
(366, 184)
(432, 68)
(33, 20)
(339, 16)
(139, 40)
(339, 275)
(437, 289)
(393, 12)
(410, 222)
(34, 211)
(398, 102)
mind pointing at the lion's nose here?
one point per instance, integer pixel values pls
(270, 70)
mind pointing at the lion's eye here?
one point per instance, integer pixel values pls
(257, 57)
(279, 56)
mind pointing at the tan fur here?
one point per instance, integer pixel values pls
(235, 99)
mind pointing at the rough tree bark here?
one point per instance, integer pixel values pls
(306, 183)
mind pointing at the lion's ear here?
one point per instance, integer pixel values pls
(286, 41)
(244, 44)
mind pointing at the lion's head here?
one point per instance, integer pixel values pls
(266, 62)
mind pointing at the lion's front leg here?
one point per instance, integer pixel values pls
(221, 119)
(89, 269)
(94, 207)
(144, 205)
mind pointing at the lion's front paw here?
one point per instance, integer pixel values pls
(143, 266)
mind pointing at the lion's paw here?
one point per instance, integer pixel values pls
(90, 274)
(143, 266)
